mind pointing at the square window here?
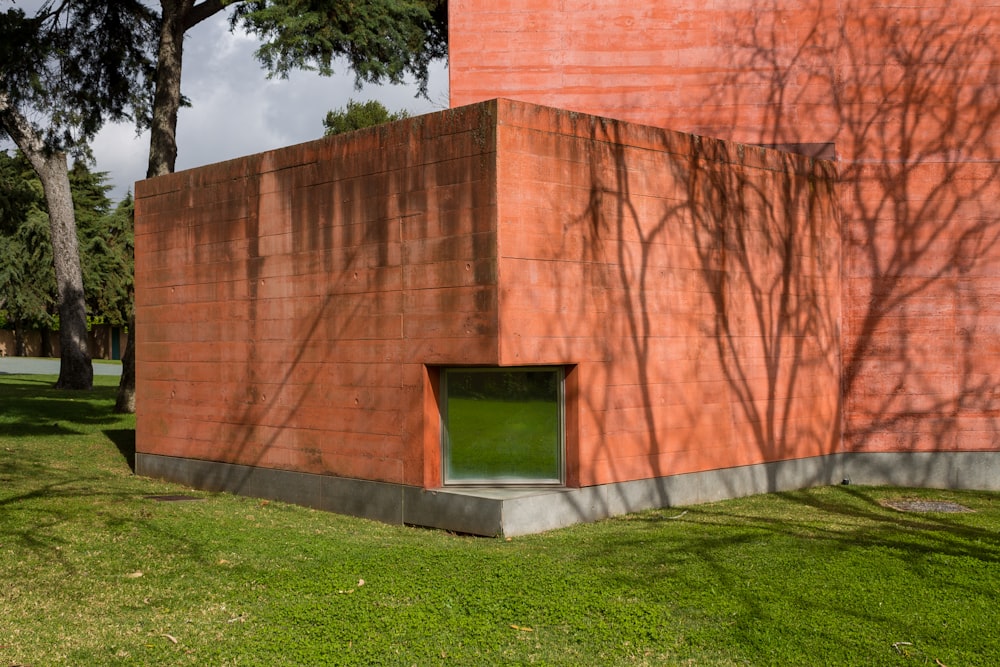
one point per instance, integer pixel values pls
(502, 426)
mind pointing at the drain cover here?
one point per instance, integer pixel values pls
(171, 499)
(925, 506)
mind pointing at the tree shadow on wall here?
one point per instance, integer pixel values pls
(290, 402)
(336, 393)
(912, 100)
(882, 325)
(726, 301)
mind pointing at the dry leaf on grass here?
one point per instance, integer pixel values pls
(361, 582)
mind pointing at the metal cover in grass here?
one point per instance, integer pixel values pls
(925, 506)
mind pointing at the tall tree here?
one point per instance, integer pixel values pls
(379, 40)
(63, 72)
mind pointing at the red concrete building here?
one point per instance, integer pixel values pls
(905, 96)
(508, 317)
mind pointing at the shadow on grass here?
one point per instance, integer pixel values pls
(32, 407)
(850, 517)
(824, 523)
(124, 439)
(917, 534)
(792, 564)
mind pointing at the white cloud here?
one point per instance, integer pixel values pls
(123, 155)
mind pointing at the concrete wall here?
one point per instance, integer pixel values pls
(288, 303)
(734, 70)
(910, 98)
(293, 307)
(692, 284)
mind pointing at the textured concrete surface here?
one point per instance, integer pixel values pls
(904, 95)
(295, 307)
(289, 304)
(716, 306)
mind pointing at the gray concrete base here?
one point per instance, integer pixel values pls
(519, 511)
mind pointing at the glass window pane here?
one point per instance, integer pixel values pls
(503, 426)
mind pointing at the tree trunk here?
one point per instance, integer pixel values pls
(167, 97)
(75, 370)
(125, 402)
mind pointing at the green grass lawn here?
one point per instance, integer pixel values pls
(94, 572)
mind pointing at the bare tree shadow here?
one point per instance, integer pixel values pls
(910, 98)
(846, 298)
(802, 339)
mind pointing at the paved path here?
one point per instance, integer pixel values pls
(36, 366)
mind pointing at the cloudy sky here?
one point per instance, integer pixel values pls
(236, 110)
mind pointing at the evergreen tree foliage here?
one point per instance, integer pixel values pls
(359, 115)
(381, 40)
(27, 278)
(76, 64)
(16, 192)
(106, 246)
